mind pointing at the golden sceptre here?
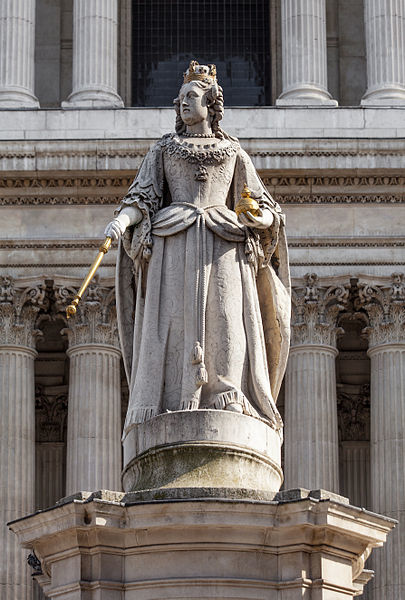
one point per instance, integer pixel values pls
(105, 246)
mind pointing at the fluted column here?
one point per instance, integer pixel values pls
(95, 54)
(304, 58)
(17, 38)
(355, 479)
(385, 43)
(18, 311)
(385, 305)
(311, 433)
(94, 404)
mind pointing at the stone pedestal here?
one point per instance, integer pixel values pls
(304, 59)
(107, 545)
(17, 37)
(202, 452)
(95, 54)
(385, 43)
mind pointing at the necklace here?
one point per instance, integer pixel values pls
(198, 135)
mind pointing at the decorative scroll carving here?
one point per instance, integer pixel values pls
(316, 305)
(384, 304)
(19, 307)
(96, 320)
(354, 414)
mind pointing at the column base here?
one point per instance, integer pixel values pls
(301, 544)
(17, 98)
(384, 98)
(93, 98)
(306, 96)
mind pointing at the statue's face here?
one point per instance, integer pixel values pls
(193, 104)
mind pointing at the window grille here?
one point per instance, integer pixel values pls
(233, 34)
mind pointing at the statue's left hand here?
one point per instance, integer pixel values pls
(261, 221)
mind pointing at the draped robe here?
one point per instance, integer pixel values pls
(203, 302)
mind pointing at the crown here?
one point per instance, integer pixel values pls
(197, 72)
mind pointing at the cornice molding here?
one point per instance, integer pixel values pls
(84, 189)
(293, 242)
(328, 198)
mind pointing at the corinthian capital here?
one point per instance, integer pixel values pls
(20, 302)
(384, 302)
(316, 305)
(95, 321)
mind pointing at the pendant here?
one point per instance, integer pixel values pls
(201, 174)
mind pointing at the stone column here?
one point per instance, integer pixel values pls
(385, 43)
(18, 311)
(311, 433)
(94, 403)
(304, 58)
(17, 38)
(95, 54)
(385, 306)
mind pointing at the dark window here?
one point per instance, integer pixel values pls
(233, 34)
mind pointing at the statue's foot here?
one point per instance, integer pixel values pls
(234, 407)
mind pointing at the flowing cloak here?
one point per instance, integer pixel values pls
(267, 250)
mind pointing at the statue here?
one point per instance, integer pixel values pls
(203, 292)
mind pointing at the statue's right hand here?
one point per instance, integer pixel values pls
(115, 229)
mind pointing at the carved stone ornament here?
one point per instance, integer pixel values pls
(354, 414)
(19, 307)
(384, 303)
(95, 321)
(316, 305)
(50, 415)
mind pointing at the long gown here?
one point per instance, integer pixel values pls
(203, 302)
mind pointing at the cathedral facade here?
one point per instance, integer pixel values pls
(315, 91)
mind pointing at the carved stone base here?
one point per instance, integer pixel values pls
(104, 545)
(202, 449)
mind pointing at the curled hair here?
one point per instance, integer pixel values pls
(215, 103)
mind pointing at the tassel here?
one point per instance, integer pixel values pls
(198, 355)
(202, 375)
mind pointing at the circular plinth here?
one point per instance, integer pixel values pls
(206, 449)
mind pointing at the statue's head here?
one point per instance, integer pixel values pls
(200, 97)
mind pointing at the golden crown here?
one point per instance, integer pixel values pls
(197, 72)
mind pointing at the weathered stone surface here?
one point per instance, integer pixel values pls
(300, 545)
(202, 449)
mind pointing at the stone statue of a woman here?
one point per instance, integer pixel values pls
(203, 295)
